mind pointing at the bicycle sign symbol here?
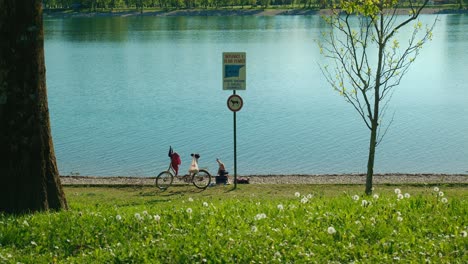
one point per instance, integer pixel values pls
(235, 103)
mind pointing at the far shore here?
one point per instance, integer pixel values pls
(228, 12)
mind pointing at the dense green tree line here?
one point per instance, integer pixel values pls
(96, 5)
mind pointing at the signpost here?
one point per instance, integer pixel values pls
(234, 78)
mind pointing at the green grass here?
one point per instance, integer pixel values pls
(253, 224)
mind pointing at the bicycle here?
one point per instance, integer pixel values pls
(200, 179)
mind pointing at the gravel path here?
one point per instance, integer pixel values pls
(289, 179)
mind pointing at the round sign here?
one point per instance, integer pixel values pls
(235, 103)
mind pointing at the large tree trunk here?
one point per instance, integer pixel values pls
(29, 178)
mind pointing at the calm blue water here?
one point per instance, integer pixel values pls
(121, 90)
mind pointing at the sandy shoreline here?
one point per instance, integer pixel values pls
(229, 12)
(285, 179)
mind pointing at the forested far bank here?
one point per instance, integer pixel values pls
(142, 6)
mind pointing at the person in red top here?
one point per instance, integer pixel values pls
(175, 160)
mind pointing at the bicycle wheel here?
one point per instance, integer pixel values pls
(201, 179)
(164, 180)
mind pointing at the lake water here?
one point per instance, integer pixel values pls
(122, 89)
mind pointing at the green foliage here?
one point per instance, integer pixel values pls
(273, 225)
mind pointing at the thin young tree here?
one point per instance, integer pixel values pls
(29, 178)
(368, 61)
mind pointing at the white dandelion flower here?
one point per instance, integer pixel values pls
(280, 207)
(205, 204)
(260, 216)
(444, 200)
(376, 196)
(355, 197)
(400, 196)
(407, 195)
(436, 189)
(189, 210)
(397, 191)
(138, 216)
(118, 217)
(331, 230)
(297, 194)
(441, 194)
(157, 218)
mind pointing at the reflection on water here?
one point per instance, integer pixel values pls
(122, 89)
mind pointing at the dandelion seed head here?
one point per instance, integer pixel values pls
(399, 219)
(407, 195)
(254, 229)
(280, 207)
(364, 203)
(304, 200)
(463, 233)
(190, 199)
(331, 230)
(436, 189)
(260, 216)
(205, 204)
(441, 194)
(309, 196)
(397, 191)
(444, 200)
(297, 194)
(376, 196)
(189, 210)
(400, 196)
(138, 216)
(118, 217)
(355, 197)
(145, 212)
(157, 218)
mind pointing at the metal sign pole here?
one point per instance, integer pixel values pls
(235, 148)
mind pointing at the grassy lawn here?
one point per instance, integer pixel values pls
(252, 224)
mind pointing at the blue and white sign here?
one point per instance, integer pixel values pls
(234, 71)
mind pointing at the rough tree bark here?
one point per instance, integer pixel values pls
(29, 178)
